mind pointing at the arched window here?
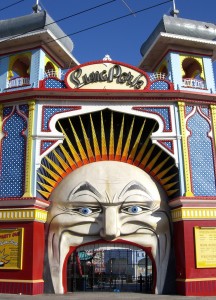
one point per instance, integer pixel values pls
(19, 70)
(192, 68)
(192, 73)
(161, 73)
(50, 70)
(163, 69)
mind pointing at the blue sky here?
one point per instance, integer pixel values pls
(121, 39)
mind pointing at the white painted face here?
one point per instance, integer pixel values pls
(108, 200)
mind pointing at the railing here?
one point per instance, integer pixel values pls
(51, 73)
(193, 83)
(157, 76)
(18, 81)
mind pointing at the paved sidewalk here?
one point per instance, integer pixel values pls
(102, 296)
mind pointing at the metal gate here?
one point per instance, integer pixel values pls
(109, 268)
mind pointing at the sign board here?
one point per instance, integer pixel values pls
(11, 248)
(205, 245)
(106, 75)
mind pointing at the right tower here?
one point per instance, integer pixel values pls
(183, 51)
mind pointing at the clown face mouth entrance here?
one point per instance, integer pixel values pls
(109, 267)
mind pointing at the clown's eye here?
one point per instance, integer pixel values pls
(133, 210)
(86, 211)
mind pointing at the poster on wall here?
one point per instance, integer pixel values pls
(205, 246)
(11, 248)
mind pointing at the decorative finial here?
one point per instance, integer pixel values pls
(107, 57)
(175, 11)
(36, 8)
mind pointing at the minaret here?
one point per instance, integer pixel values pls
(31, 49)
(184, 50)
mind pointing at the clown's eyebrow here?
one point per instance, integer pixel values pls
(134, 185)
(82, 187)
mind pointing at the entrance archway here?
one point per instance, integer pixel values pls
(110, 267)
(111, 187)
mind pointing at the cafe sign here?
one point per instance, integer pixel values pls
(11, 248)
(106, 75)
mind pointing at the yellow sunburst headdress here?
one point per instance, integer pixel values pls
(103, 136)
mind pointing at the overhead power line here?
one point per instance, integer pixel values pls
(81, 12)
(94, 26)
(8, 6)
(125, 3)
(110, 21)
(62, 19)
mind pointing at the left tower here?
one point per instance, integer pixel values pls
(33, 47)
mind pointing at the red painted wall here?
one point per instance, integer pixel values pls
(33, 261)
(190, 279)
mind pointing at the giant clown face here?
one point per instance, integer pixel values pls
(110, 201)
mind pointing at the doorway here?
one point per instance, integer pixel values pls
(111, 267)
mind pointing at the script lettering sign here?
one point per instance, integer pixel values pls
(106, 75)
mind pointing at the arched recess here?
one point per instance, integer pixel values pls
(50, 68)
(163, 115)
(19, 66)
(192, 67)
(201, 152)
(163, 68)
(107, 135)
(12, 176)
(192, 72)
(107, 178)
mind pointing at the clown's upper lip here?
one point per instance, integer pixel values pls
(118, 243)
(145, 230)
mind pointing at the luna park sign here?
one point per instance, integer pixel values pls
(106, 75)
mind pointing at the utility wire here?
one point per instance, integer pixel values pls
(125, 3)
(62, 19)
(81, 12)
(15, 3)
(94, 26)
(110, 21)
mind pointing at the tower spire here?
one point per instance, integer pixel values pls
(174, 11)
(36, 8)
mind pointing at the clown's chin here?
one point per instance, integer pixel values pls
(62, 244)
